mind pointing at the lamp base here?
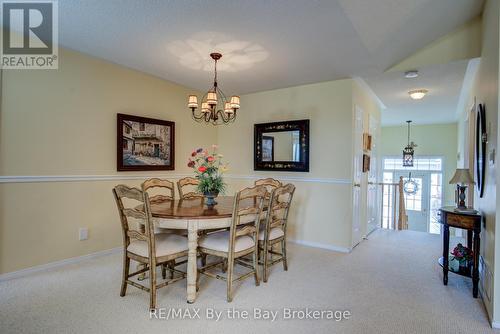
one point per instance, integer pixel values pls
(461, 197)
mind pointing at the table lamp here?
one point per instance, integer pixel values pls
(462, 178)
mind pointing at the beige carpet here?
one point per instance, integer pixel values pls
(390, 283)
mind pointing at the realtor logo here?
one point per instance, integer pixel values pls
(29, 38)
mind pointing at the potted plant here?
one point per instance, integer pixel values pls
(208, 169)
(463, 255)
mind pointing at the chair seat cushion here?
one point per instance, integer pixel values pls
(166, 244)
(274, 233)
(219, 241)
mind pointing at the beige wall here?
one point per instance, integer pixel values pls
(486, 90)
(63, 122)
(432, 140)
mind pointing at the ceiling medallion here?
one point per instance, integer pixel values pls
(408, 151)
(215, 108)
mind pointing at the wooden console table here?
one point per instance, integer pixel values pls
(467, 221)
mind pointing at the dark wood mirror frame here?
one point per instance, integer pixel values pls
(286, 166)
(481, 139)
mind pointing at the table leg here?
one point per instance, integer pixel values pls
(475, 268)
(446, 250)
(192, 268)
(469, 239)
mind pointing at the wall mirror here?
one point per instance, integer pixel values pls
(282, 146)
(481, 139)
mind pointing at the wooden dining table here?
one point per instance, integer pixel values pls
(193, 215)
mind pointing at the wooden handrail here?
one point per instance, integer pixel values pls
(399, 211)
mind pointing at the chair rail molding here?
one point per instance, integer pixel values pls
(87, 178)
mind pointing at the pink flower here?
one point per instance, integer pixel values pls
(202, 169)
(210, 159)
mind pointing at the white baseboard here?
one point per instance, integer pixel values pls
(56, 264)
(73, 260)
(321, 245)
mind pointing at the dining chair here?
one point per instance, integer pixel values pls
(145, 247)
(269, 183)
(166, 186)
(241, 239)
(274, 230)
(186, 182)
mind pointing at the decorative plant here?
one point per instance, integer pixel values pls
(208, 169)
(462, 254)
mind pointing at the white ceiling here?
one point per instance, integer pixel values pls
(444, 83)
(266, 44)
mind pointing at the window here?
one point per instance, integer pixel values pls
(141, 126)
(436, 195)
(418, 164)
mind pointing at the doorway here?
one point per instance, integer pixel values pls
(423, 205)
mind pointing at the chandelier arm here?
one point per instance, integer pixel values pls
(197, 118)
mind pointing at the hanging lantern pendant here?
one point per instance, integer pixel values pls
(408, 151)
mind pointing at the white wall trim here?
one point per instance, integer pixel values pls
(89, 178)
(56, 264)
(78, 259)
(321, 245)
(81, 178)
(291, 178)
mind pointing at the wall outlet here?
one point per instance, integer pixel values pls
(83, 233)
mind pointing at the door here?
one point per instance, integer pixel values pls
(157, 150)
(373, 189)
(417, 204)
(357, 176)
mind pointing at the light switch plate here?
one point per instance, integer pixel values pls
(83, 233)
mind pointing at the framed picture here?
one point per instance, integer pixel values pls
(267, 148)
(367, 142)
(144, 144)
(366, 163)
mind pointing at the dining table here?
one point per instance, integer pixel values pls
(193, 215)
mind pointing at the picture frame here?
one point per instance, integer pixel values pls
(144, 144)
(367, 142)
(366, 163)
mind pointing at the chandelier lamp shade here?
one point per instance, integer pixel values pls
(215, 107)
(408, 151)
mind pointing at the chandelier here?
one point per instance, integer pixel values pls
(408, 151)
(215, 107)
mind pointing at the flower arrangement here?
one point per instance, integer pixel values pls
(208, 169)
(462, 254)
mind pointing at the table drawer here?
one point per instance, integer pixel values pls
(460, 221)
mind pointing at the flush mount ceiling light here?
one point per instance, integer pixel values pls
(418, 94)
(215, 107)
(411, 74)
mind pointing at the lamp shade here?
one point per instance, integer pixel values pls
(205, 108)
(228, 109)
(462, 176)
(193, 101)
(235, 102)
(212, 98)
